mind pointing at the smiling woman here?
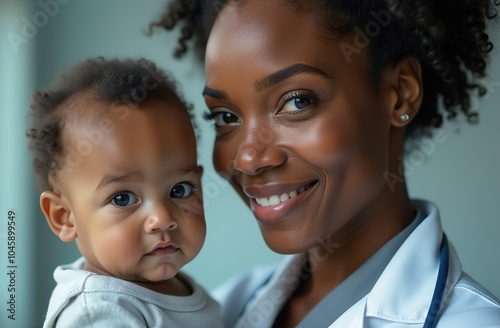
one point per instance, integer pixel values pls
(330, 149)
(308, 133)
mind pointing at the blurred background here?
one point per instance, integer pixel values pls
(460, 171)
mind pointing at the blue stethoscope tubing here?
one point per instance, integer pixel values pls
(437, 297)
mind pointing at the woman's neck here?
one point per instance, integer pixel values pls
(344, 252)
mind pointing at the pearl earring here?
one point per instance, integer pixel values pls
(404, 117)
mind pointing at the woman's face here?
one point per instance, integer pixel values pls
(302, 133)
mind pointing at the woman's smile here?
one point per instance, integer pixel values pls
(273, 202)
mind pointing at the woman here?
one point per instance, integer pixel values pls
(313, 102)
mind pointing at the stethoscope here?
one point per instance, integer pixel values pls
(437, 297)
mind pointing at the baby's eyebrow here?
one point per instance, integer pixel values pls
(286, 73)
(110, 178)
(187, 170)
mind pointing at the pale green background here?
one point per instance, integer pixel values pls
(462, 174)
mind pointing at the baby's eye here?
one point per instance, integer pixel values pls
(181, 190)
(124, 199)
(223, 118)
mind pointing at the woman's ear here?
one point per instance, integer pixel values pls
(58, 213)
(406, 79)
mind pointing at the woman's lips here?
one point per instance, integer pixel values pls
(276, 206)
(283, 197)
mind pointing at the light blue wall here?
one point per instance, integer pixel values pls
(17, 198)
(461, 174)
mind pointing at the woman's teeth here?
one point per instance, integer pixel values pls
(276, 199)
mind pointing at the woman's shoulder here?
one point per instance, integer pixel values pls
(470, 305)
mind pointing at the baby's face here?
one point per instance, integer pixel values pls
(135, 194)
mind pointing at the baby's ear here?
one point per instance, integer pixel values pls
(57, 212)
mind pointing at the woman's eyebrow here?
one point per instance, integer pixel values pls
(286, 73)
(272, 79)
(214, 93)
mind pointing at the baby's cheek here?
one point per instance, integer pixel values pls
(190, 208)
(194, 234)
(122, 243)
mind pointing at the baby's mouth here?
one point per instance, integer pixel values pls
(163, 249)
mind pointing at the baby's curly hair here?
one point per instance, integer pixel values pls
(449, 38)
(115, 81)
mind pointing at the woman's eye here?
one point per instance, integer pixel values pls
(223, 118)
(226, 119)
(296, 103)
(181, 190)
(124, 199)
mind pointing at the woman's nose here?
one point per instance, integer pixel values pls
(257, 154)
(160, 219)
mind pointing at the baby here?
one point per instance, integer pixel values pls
(115, 152)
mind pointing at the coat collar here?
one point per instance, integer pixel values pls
(402, 294)
(404, 291)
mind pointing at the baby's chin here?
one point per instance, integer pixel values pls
(162, 272)
(151, 278)
(153, 275)
(165, 284)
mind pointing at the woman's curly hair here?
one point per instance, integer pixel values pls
(448, 36)
(115, 81)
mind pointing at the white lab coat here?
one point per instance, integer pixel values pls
(401, 297)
